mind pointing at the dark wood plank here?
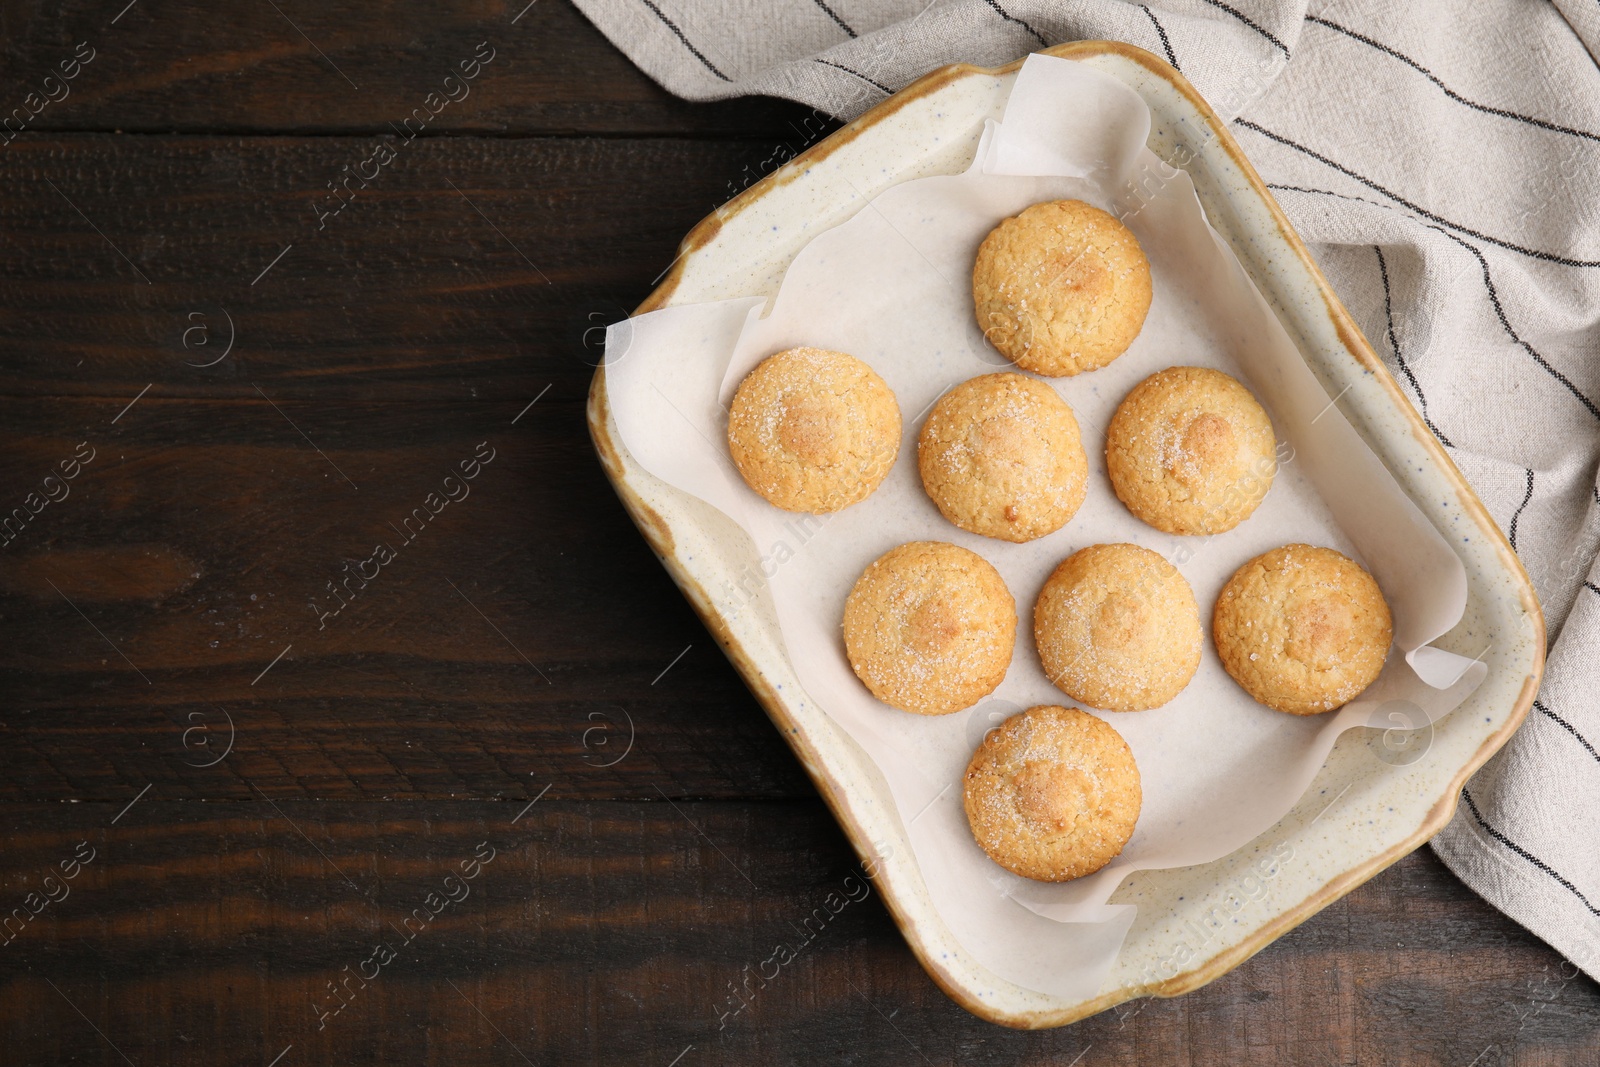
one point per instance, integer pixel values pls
(441, 334)
(341, 66)
(469, 269)
(524, 630)
(615, 933)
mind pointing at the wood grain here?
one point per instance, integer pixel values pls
(270, 790)
(341, 66)
(469, 268)
(621, 933)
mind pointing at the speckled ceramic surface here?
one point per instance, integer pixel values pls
(1376, 798)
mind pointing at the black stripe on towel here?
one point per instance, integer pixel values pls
(834, 15)
(1451, 93)
(839, 66)
(1567, 726)
(673, 26)
(1418, 208)
(1162, 33)
(1394, 345)
(1248, 21)
(1494, 295)
(1511, 534)
(1005, 15)
(1525, 854)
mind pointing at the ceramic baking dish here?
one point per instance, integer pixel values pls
(1380, 794)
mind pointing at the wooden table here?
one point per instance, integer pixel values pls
(492, 796)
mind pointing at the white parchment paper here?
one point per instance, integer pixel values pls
(891, 286)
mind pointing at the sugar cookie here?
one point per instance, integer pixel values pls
(813, 430)
(1052, 794)
(1000, 455)
(1117, 628)
(1061, 288)
(1190, 451)
(1302, 629)
(929, 627)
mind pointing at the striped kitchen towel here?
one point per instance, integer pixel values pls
(1443, 163)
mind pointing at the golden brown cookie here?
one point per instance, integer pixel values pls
(1302, 629)
(1052, 794)
(813, 430)
(1061, 288)
(929, 627)
(1190, 451)
(1117, 628)
(1001, 457)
